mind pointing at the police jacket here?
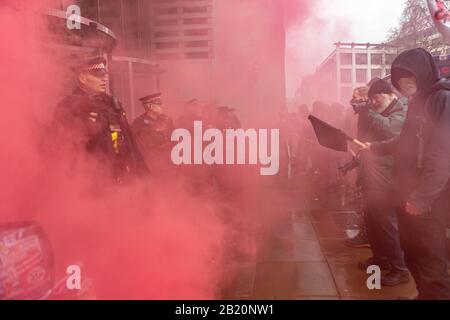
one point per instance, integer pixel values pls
(97, 124)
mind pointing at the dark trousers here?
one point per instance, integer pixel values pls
(423, 239)
(383, 235)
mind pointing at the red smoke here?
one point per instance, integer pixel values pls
(140, 242)
(152, 241)
(296, 11)
(310, 39)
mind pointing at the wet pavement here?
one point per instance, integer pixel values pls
(301, 254)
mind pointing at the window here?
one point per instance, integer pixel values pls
(346, 58)
(196, 44)
(197, 55)
(184, 27)
(361, 75)
(170, 22)
(201, 32)
(361, 58)
(390, 58)
(376, 73)
(196, 21)
(168, 33)
(166, 45)
(166, 10)
(167, 56)
(376, 58)
(195, 9)
(346, 75)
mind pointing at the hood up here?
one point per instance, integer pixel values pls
(420, 63)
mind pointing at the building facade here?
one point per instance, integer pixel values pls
(349, 66)
(182, 29)
(228, 52)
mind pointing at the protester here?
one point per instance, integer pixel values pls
(383, 120)
(422, 171)
(360, 106)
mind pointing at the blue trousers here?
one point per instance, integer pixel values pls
(383, 234)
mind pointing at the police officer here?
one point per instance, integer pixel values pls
(193, 111)
(90, 120)
(153, 130)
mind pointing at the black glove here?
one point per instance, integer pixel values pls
(359, 105)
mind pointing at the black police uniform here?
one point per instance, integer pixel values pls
(153, 134)
(97, 123)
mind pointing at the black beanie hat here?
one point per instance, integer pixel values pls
(380, 87)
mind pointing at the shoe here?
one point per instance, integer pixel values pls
(394, 278)
(360, 241)
(383, 264)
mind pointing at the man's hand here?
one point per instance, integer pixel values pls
(365, 147)
(413, 210)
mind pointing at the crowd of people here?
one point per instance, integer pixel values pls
(129, 151)
(91, 124)
(403, 170)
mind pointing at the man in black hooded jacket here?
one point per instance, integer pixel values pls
(422, 171)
